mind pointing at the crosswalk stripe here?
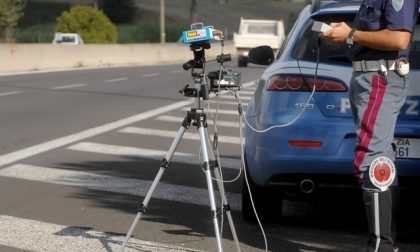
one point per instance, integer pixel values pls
(243, 98)
(220, 111)
(234, 103)
(148, 154)
(251, 86)
(137, 187)
(40, 236)
(172, 134)
(210, 122)
(243, 92)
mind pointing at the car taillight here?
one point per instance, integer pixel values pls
(287, 82)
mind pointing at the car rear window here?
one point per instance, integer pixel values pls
(307, 43)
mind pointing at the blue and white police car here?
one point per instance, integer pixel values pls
(316, 152)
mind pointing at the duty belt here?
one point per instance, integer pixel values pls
(374, 65)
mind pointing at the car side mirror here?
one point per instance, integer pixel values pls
(261, 55)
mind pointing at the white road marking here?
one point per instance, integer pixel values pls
(10, 93)
(226, 102)
(70, 86)
(40, 236)
(116, 80)
(179, 120)
(150, 75)
(243, 92)
(231, 97)
(250, 86)
(172, 134)
(136, 187)
(59, 142)
(178, 157)
(220, 111)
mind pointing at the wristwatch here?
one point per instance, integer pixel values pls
(349, 38)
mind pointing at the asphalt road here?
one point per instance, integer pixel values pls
(79, 149)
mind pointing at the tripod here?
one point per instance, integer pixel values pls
(198, 118)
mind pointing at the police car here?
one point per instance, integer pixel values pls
(316, 151)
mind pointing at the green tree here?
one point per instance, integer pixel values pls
(91, 24)
(10, 13)
(120, 11)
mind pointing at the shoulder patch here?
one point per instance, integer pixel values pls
(397, 4)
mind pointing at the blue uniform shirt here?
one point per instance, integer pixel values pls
(376, 15)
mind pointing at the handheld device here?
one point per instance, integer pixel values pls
(320, 27)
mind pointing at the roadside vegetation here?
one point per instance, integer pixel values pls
(10, 12)
(137, 21)
(92, 25)
(40, 22)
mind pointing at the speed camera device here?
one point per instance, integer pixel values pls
(200, 33)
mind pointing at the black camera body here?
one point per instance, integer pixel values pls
(224, 79)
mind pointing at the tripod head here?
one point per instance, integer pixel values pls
(199, 60)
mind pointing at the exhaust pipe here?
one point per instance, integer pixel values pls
(307, 186)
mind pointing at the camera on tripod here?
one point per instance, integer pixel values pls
(200, 38)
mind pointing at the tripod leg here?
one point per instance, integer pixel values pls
(226, 207)
(204, 147)
(164, 165)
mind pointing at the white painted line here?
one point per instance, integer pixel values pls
(231, 97)
(172, 134)
(116, 80)
(150, 75)
(250, 86)
(226, 102)
(59, 142)
(220, 111)
(69, 86)
(37, 236)
(179, 120)
(136, 187)
(178, 157)
(10, 93)
(243, 92)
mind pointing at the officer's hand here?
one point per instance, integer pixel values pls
(337, 34)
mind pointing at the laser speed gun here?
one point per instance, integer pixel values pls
(201, 34)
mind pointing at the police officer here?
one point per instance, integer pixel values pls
(379, 46)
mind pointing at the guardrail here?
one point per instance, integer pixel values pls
(33, 57)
